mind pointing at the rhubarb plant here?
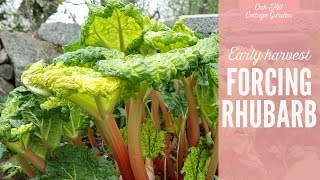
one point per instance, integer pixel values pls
(165, 79)
(69, 162)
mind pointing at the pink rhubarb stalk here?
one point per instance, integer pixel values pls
(26, 166)
(110, 133)
(134, 139)
(192, 124)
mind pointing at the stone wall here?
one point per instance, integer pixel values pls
(6, 73)
(59, 33)
(203, 23)
(18, 50)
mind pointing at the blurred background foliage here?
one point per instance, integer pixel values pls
(28, 15)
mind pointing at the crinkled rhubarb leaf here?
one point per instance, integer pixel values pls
(153, 42)
(60, 80)
(88, 56)
(48, 122)
(157, 69)
(176, 103)
(197, 163)
(157, 38)
(12, 127)
(73, 47)
(80, 85)
(114, 26)
(77, 120)
(36, 144)
(164, 41)
(49, 125)
(160, 68)
(153, 25)
(207, 97)
(208, 48)
(180, 27)
(152, 141)
(53, 102)
(25, 125)
(69, 162)
(138, 46)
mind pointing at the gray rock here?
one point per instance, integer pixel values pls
(5, 88)
(24, 49)
(6, 71)
(170, 21)
(202, 23)
(59, 33)
(3, 56)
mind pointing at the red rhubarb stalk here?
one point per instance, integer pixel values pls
(77, 141)
(155, 110)
(134, 139)
(164, 111)
(144, 115)
(181, 147)
(205, 125)
(101, 110)
(214, 157)
(168, 160)
(26, 166)
(35, 160)
(176, 86)
(127, 107)
(92, 139)
(110, 133)
(192, 124)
